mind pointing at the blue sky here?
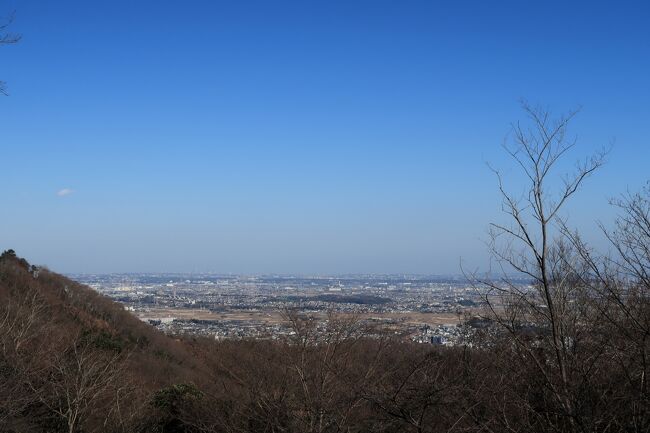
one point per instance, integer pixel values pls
(299, 137)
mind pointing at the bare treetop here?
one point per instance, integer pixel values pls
(536, 148)
(7, 38)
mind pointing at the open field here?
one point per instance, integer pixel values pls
(202, 314)
(276, 316)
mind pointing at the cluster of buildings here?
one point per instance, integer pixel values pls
(236, 306)
(441, 335)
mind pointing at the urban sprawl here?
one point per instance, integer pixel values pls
(423, 309)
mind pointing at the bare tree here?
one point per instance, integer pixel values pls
(20, 328)
(7, 38)
(81, 382)
(619, 287)
(319, 355)
(541, 320)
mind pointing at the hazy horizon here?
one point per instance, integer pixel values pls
(300, 138)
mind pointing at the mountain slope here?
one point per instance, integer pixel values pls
(69, 354)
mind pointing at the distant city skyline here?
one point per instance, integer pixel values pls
(312, 138)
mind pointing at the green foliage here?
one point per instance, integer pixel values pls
(105, 341)
(172, 402)
(171, 398)
(163, 355)
(8, 254)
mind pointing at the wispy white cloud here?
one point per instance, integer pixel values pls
(63, 192)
